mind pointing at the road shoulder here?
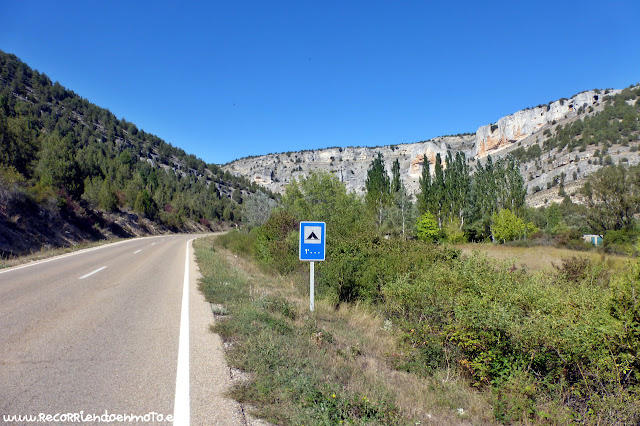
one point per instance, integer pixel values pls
(210, 375)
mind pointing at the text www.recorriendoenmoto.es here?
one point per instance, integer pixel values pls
(82, 417)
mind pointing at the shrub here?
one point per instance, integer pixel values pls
(574, 268)
(277, 242)
(620, 241)
(453, 232)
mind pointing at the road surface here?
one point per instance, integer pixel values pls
(99, 331)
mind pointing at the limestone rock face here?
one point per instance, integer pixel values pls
(515, 127)
(349, 165)
(521, 129)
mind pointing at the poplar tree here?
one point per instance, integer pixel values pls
(424, 196)
(396, 181)
(458, 184)
(496, 186)
(378, 187)
(438, 191)
(401, 209)
(517, 189)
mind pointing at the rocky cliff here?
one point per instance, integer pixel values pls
(519, 130)
(515, 127)
(350, 164)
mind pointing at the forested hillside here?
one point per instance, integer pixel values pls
(67, 163)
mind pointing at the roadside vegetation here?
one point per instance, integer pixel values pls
(332, 366)
(487, 340)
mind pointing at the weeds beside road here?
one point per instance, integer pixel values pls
(326, 367)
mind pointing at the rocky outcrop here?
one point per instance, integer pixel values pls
(521, 129)
(515, 127)
(350, 165)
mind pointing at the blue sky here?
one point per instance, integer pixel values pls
(228, 79)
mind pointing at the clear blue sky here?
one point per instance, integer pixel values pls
(227, 79)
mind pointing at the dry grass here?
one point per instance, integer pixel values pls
(429, 400)
(541, 258)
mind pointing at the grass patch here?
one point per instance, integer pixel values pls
(332, 366)
(542, 258)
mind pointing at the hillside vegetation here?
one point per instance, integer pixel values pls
(569, 152)
(67, 163)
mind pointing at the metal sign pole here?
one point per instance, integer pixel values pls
(311, 286)
(312, 249)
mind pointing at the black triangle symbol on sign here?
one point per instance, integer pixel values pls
(312, 236)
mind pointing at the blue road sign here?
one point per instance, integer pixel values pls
(312, 241)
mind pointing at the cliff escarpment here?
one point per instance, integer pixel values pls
(557, 144)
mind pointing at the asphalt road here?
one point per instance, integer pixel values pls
(99, 330)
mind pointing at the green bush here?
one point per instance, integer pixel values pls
(240, 242)
(527, 338)
(620, 241)
(277, 242)
(506, 226)
(357, 268)
(453, 232)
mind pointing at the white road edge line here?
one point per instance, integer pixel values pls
(137, 251)
(182, 404)
(91, 273)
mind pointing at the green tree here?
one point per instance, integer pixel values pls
(99, 192)
(257, 208)
(506, 226)
(424, 194)
(396, 180)
(516, 193)
(17, 147)
(56, 165)
(494, 186)
(438, 191)
(108, 199)
(145, 205)
(427, 228)
(400, 212)
(613, 197)
(457, 188)
(322, 197)
(378, 188)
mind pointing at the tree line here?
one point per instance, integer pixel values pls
(453, 202)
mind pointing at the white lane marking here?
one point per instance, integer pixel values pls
(91, 273)
(137, 251)
(153, 244)
(182, 404)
